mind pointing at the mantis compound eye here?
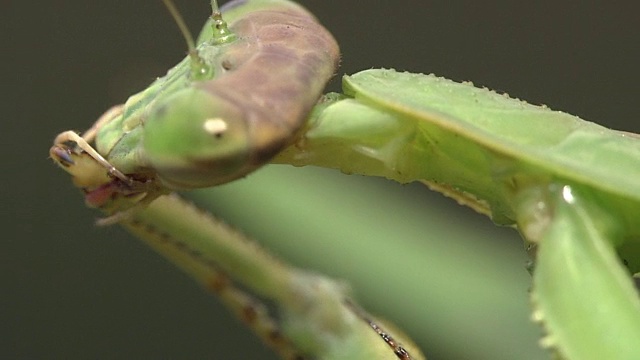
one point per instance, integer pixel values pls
(195, 139)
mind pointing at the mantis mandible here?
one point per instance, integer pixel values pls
(550, 174)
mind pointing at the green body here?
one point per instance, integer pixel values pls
(514, 162)
(484, 145)
(568, 185)
(280, 55)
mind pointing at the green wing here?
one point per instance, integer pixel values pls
(508, 159)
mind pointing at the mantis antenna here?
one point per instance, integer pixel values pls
(199, 68)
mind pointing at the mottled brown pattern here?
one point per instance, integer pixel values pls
(248, 309)
(218, 283)
(278, 70)
(249, 314)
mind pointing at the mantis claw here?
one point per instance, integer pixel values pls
(117, 194)
(61, 156)
(80, 142)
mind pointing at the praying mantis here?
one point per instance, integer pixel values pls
(547, 202)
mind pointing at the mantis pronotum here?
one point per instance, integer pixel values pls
(520, 164)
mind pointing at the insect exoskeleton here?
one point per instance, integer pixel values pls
(266, 82)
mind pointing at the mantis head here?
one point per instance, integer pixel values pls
(195, 139)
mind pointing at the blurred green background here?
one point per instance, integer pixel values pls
(451, 279)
